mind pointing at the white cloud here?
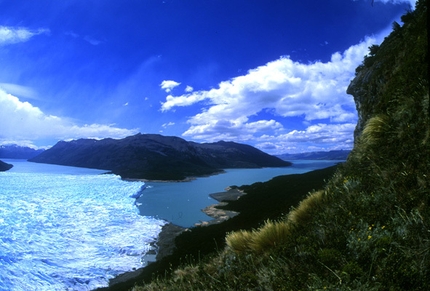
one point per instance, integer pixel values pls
(318, 137)
(411, 2)
(315, 92)
(21, 121)
(10, 35)
(19, 90)
(168, 85)
(189, 89)
(167, 124)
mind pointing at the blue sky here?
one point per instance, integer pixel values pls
(269, 73)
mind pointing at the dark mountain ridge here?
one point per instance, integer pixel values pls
(327, 155)
(14, 151)
(157, 157)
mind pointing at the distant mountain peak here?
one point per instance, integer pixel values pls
(14, 151)
(157, 157)
(320, 155)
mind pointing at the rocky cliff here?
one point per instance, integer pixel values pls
(398, 67)
(157, 157)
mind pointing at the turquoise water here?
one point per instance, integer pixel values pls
(67, 228)
(181, 203)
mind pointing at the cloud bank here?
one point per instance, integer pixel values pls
(21, 122)
(281, 91)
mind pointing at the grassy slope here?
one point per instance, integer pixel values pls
(368, 229)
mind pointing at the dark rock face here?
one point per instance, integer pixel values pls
(398, 66)
(157, 157)
(5, 166)
(18, 152)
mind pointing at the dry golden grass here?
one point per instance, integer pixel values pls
(239, 241)
(374, 130)
(271, 235)
(303, 213)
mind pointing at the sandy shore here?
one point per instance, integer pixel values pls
(220, 215)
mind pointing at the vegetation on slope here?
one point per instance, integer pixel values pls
(271, 199)
(369, 227)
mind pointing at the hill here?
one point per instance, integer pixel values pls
(14, 151)
(328, 155)
(368, 228)
(157, 157)
(5, 166)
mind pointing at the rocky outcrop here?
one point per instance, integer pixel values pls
(398, 66)
(5, 166)
(157, 157)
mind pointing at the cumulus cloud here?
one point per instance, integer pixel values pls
(290, 88)
(21, 121)
(189, 89)
(314, 92)
(168, 85)
(317, 137)
(11, 35)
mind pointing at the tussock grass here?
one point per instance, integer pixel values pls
(270, 235)
(305, 211)
(239, 241)
(375, 129)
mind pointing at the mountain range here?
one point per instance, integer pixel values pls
(157, 157)
(14, 151)
(330, 155)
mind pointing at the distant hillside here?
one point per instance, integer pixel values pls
(331, 155)
(17, 152)
(157, 157)
(5, 166)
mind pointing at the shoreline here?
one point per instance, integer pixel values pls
(187, 179)
(164, 245)
(220, 215)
